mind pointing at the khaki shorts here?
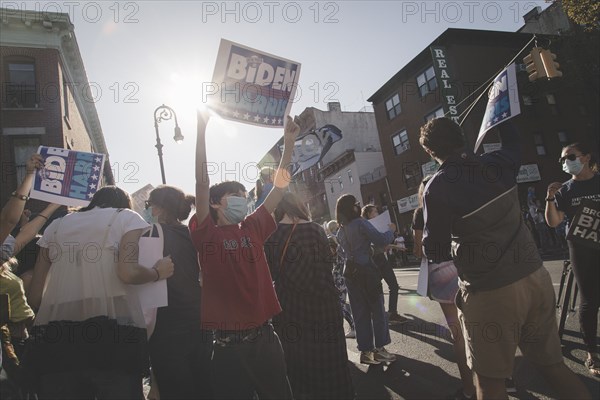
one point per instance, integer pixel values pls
(495, 322)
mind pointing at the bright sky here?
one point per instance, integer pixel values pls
(141, 54)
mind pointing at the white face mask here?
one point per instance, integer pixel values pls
(572, 167)
(236, 210)
(148, 217)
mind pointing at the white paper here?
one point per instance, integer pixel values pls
(153, 294)
(382, 222)
(423, 280)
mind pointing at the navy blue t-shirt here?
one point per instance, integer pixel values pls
(569, 196)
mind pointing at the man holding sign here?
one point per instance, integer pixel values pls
(578, 199)
(506, 297)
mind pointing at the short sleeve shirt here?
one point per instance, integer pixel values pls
(71, 234)
(569, 196)
(237, 291)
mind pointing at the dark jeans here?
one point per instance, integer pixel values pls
(91, 384)
(181, 364)
(387, 272)
(587, 274)
(370, 321)
(246, 366)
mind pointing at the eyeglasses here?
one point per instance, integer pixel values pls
(570, 157)
(147, 204)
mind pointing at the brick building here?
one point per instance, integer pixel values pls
(445, 78)
(46, 98)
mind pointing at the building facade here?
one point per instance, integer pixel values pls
(446, 77)
(46, 98)
(355, 158)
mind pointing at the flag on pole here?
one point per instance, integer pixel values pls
(503, 102)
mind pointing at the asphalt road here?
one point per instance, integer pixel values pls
(425, 368)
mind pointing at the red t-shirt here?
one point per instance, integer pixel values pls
(237, 289)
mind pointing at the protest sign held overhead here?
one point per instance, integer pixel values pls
(311, 147)
(503, 102)
(68, 177)
(585, 227)
(251, 86)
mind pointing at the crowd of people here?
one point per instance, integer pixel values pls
(257, 301)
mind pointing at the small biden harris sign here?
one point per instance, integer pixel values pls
(68, 177)
(251, 86)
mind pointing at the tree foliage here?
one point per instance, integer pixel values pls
(583, 12)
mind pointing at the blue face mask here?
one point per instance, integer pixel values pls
(236, 210)
(572, 167)
(148, 217)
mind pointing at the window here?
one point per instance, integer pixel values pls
(400, 142)
(392, 105)
(340, 182)
(426, 81)
(436, 114)
(21, 88)
(540, 147)
(563, 138)
(412, 175)
(350, 178)
(24, 148)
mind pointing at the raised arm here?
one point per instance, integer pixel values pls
(202, 180)
(282, 176)
(30, 229)
(13, 209)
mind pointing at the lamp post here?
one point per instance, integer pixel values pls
(165, 113)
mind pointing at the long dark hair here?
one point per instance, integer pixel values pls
(109, 197)
(176, 204)
(291, 205)
(345, 209)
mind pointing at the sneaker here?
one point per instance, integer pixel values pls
(351, 334)
(382, 355)
(593, 366)
(510, 385)
(368, 357)
(395, 318)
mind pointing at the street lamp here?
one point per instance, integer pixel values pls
(165, 113)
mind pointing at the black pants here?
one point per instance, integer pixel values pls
(243, 367)
(387, 272)
(181, 364)
(584, 261)
(91, 384)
